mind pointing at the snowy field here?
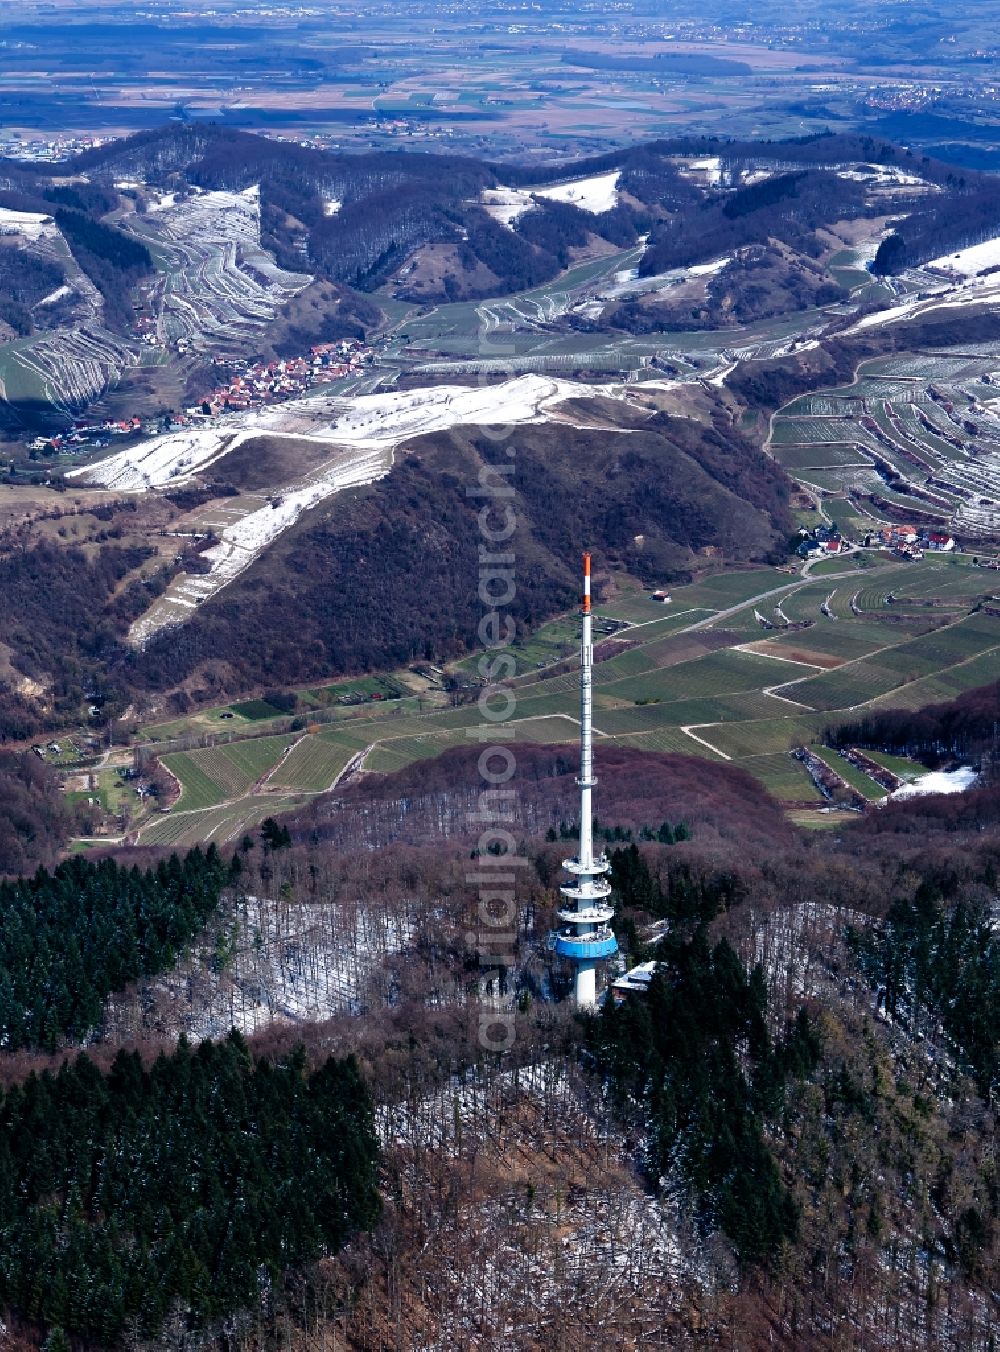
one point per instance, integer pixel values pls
(969, 262)
(596, 194)
(374, 421)
(30, 224)
(386, 420)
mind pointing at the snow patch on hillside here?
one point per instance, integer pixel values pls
(171, 459)
(506, 205)
(55, 295)
(962, 292)
(361, 434)
(388, 419)
(244, 539)
(27, 223)
(968, 262)
(596, 194)
(939, 781)
(707, 171)
(886, 176)
(160, 201)
(708, 269)
(375, 421)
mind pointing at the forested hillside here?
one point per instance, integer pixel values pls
(113, 260)
(649, 502)
(63, 615)
(73, 936)
(34, 818)
(392, 204)
(788, 207)
(828, 1161)
(185, 1190)
(804, 1090)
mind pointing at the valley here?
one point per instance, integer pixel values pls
(301, 444)
(700, 680)
(636, 331)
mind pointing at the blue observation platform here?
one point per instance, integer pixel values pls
(584, 947)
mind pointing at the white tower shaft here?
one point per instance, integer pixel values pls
(585, 937)
(586, 780)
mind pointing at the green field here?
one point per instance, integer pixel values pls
(216, 774)
(851, 775)
(903, 652)
(784, 777)
(198, 790)
(768, 736)
(256, 709)
(928, 655)
(899, 765)
(312, 765)
(222, 824)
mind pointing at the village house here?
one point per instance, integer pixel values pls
(940, 540)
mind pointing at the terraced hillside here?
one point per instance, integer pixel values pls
(916, 434)
(699, 676)
(66, 356)
(219, 288)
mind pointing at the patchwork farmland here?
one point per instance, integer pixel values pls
(914, 433)
(700, 677)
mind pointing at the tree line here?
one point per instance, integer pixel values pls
(790, 208)
(112, 260)
(967, 728)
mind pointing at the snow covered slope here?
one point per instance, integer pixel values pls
(361, 434)
(372, 421)
(968, 262)
(596, 194)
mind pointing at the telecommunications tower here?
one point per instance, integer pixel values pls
(584, 936)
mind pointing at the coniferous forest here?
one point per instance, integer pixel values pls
(697, 1056)
(184, 1189)
(71, 937)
